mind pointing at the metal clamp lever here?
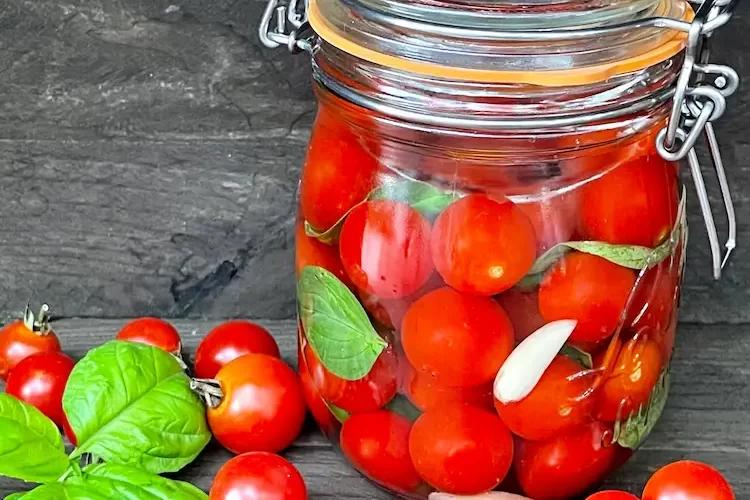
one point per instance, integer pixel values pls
(297, 40)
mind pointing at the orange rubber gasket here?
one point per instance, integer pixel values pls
(554, 78)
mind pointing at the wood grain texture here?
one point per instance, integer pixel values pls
(149, 155)
(706, 417)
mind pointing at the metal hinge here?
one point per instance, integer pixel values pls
(278, 18)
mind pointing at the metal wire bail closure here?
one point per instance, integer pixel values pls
(698, 98)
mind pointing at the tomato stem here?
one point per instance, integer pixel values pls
(209, 390)
(37, 324)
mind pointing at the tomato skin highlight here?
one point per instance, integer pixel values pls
(461, 340)
(385, 249)
(559, 403)
(425, 392)
(229, 341)
(687, 480)
(154, 332)
(338, 173)
(377, 444)
(17, 342)
(589, 289)
(367, 394)
(311, 252)
(263, 408)
(40, 380)
(633, 204)
(564, 466)
(612, 495)
(461, 450)
(483, 246)
(258, 475)
(631, 379)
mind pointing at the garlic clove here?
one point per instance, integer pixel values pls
(530, 359)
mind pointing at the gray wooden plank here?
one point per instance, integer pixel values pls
(705, 419)
(149, 152)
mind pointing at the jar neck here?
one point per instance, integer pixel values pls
(630, 102)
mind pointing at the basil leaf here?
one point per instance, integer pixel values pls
(64, 491)
(403, 407)
(339, 413)
(16, 496)
(336, 324)
(421, 196)
(131, 404)
(634, 431)
(31, 447)
(578, 355)
(128, 483)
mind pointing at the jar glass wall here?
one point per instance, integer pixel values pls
(486, 308)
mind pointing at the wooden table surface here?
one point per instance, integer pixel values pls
(707, 417)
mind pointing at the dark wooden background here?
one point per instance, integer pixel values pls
(150, 151)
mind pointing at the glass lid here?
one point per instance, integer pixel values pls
(504, 40)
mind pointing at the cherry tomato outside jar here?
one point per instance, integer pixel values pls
(40, 380)
(687, 479)
(589, 289)
(612, 495)
(229, 341)
(483, 246)
(369, 393)
(258, 476)
(560, 402)
(385, 248)
(566, 465)
(461, 340)
(154, 332)
(377, 444)
(462, 450)
(262, 408)
(18, 342)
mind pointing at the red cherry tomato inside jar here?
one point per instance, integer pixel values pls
(339, 172)
(311, 252)
(554, 219)
(385, 248)
(689, 480)
(523, 310)
(483, 246)
(656, 297)
(589, 289)
(229, 341)
(461, 450)
(377, 444)
(629, 383)
(424, 391)
(560, 402)
(154, 332)
(258, 475)
(262, 408)
(369, 393)
(461, 340)
(633, 204)
(40, 380)
(566, 465)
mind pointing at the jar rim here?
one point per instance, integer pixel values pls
(501, 55)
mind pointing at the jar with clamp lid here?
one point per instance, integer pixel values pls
(491, 230)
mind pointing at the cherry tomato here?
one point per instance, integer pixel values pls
(633, 204)
(377, 444)
(390, 312)
(483, 246)
(258, 475)
(589, 289)
(154, 332)
(367, 394)
(560, 401)
(655, 298)
(18, 341)
(68, 430)
(385, 248)
(315, 403)
(425, 392)
(311, 252)
(523, 310)
(263, 408)
(612, 495)
(687, 480)
(228, 342)
(565, 466)
(39, 380)
(554, 219)
(339, 173)
(461, 340)
(462, 450)
(630, 381)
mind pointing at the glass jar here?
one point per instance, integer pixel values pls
(491, 235)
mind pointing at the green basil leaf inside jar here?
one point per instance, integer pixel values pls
(491, 230)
